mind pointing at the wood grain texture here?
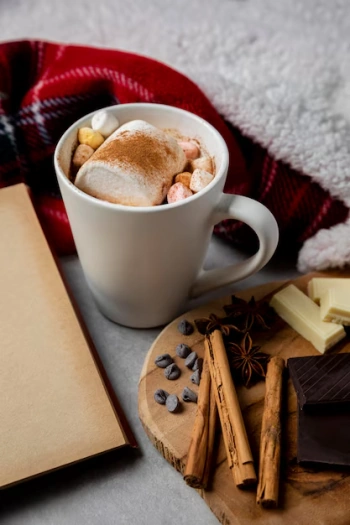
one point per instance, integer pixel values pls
(307, 497)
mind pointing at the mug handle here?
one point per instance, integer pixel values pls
(261, 220)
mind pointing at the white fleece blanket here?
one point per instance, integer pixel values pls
(278, 69)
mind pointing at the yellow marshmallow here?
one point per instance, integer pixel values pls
(184, 177)
(91, 138)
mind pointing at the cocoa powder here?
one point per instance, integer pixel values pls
(139, 150)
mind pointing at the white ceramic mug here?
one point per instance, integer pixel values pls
(143, 263)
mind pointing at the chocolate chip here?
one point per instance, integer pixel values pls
(183, 350)
(191, 359)
(160, 396)
(172, 371)
(198, 364)
(188, 395)
(172, 403)
(185, 327)
(196, 377)
(163, 360)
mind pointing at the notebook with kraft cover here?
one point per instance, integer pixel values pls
(56, 404)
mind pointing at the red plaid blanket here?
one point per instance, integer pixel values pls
(45, 87)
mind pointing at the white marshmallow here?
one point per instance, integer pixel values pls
(200, 179)
(203, 163)
(105, 123)
(119, 172)
(178, 192)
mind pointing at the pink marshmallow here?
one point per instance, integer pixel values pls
(178, 192)
(190, 149)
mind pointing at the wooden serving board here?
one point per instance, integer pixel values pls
(307, 496)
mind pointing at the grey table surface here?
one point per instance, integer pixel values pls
(127, 486)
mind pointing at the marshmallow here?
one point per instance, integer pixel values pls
(81, 155)
(105, 123)
(135, 166)
(178, 192)
(92, 138)
(200, 179)
(184, 177)
(191, 150)
(203, 163)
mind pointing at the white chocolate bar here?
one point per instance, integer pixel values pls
(319, 285)
(302, 314)
(335, 305)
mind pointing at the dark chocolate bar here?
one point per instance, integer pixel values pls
(320, 380)
(324, 436)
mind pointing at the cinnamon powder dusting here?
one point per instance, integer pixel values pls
(140, 150)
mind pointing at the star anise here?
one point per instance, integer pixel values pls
(247, 314)
(247, 361)
(206, 325)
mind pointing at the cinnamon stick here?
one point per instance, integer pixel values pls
(270, 442)
(239, 455)
(200, 453)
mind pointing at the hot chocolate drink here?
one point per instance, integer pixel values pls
(138, 164)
